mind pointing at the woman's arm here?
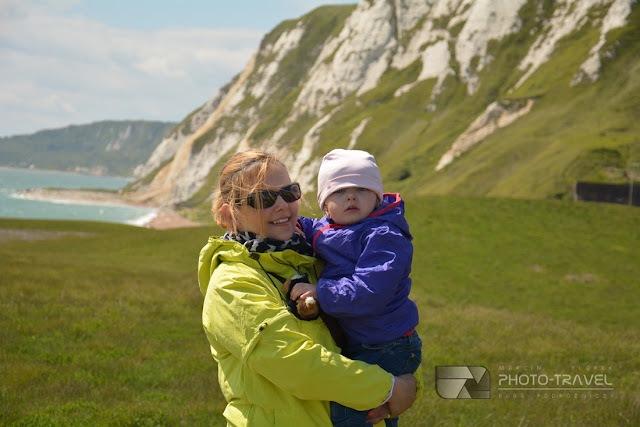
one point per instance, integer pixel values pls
(292, 361)
(248, 320)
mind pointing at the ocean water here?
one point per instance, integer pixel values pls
(12, 205)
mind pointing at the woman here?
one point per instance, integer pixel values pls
(273, 368)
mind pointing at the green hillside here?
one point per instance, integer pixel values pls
(575, 131)
(586, 132)
(100, 323)
(107, 147)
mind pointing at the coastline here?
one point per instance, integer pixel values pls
(29, 169)
(162, 218)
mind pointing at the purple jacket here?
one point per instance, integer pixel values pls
(365, 283)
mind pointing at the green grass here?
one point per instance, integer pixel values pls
(103, 327)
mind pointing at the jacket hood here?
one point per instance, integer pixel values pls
(217, 250)
(392, 210)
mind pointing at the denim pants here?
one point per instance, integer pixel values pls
(400, 356)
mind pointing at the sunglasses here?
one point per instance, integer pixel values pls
(289, 194)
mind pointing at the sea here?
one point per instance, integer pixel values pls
(13, 205)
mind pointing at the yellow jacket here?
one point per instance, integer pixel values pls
(273, 368)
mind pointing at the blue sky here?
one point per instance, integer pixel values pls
(68, 62)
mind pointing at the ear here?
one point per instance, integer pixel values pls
(325, 211)
(227, 215)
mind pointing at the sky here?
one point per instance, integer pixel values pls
(65, 62)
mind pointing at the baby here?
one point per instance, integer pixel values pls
(365, 242)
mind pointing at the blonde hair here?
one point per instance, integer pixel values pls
(243, 174)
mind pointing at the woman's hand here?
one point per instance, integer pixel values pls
(402, 397)
(304, 290)
(378, 414)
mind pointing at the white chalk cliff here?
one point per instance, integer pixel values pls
(449, 40)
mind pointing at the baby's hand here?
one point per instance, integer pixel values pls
(307, 308)
(304, 290)
(301, 299)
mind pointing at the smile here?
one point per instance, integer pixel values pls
(280, 221)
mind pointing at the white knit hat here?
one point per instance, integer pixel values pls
(347, 168)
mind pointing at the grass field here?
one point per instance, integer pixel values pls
(100, 323)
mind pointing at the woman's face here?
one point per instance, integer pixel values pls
(277, 221)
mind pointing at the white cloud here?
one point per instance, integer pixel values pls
(57, 69)
(55, 103)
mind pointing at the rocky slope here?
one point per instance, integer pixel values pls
(480, 97)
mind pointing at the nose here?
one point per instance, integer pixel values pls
(280, 204)
(351, 194)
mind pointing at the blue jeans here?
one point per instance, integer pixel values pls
(401, 356)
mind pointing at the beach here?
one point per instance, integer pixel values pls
(166, 219)
(162, 219)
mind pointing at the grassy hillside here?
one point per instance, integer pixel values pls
(100, 323)
(113, 147)
(584, 132)
(575, 131)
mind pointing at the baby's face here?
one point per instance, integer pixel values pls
(350, 205)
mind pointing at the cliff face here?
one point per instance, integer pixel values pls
(426, 86)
